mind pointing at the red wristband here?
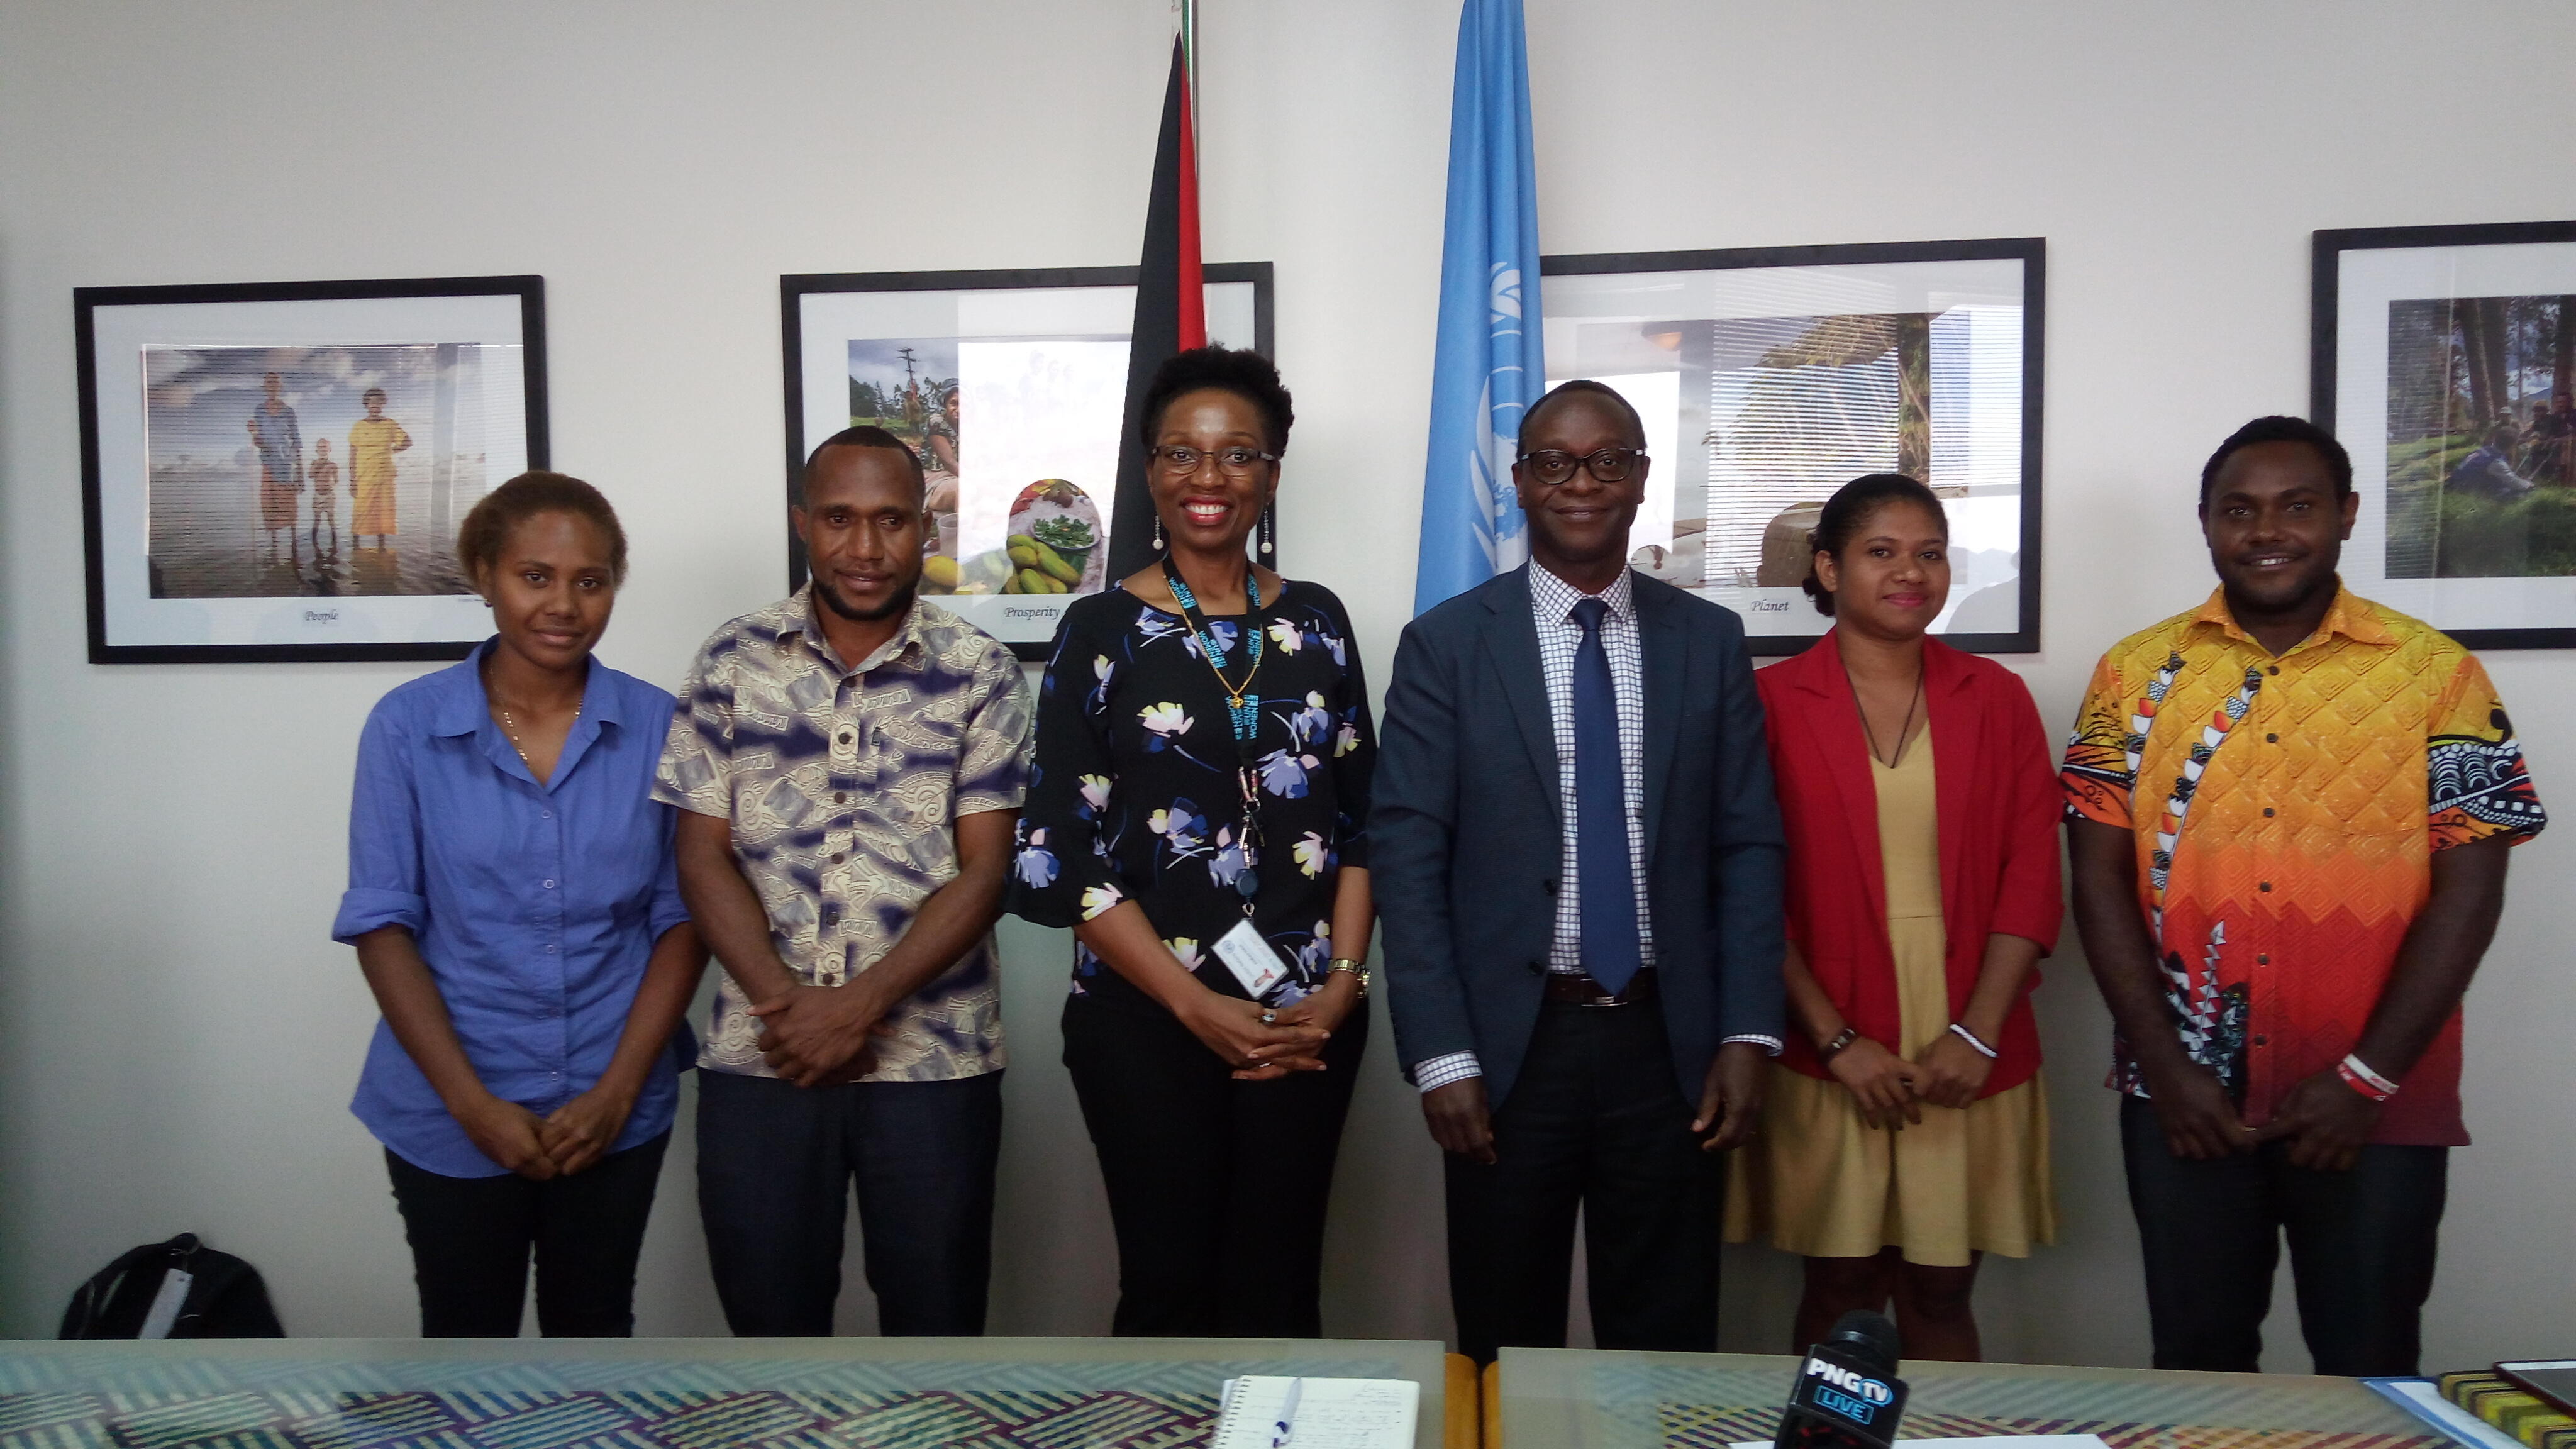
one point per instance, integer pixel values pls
(2362, 1079)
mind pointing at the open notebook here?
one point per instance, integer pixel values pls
(1265, 1412)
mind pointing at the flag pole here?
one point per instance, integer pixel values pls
(1190, 57)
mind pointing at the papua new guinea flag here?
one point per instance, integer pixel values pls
(1171, 311)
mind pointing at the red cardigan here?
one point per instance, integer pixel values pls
(1997, 799)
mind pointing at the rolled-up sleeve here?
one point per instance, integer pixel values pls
(384, 836)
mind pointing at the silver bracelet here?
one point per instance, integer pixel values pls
(1970, 1037)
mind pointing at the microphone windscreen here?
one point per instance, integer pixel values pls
(1868, 1336)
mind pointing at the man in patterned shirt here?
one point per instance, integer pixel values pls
(2288, 811)
(850, 764)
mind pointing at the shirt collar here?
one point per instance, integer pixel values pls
(908, 646)
(2350, 615)
(1555, 599)
(464, 707)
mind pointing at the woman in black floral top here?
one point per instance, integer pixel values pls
(1216, 1112)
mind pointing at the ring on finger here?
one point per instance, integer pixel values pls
(1269, 1018)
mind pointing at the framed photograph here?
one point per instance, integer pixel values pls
(1770, 377)
(275, 471)
(1012, 386)
(2444, 357)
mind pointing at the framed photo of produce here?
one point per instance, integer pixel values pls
(2444, 358)
(1011, 387)
(1769, 377)
(276, 471)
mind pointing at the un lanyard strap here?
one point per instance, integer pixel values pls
(1243, 708)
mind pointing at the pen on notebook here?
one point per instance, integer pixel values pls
(1287, 1414)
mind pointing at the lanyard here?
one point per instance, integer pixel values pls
(1243, 710)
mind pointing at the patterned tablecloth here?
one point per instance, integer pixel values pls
(1563, 1400)
(65, 1399)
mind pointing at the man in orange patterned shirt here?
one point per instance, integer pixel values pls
(2288, 811)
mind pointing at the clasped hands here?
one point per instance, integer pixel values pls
(1891, 1090)
(822, 1036)
(571, 1138)
(2326, 1122)
(1290, 1040)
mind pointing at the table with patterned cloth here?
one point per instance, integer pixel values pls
(848, 1393)
(1580, 1399)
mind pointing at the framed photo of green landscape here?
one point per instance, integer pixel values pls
(2444, 357)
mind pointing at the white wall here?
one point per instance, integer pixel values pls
(180, 1036)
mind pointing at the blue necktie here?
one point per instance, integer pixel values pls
(1608, 908)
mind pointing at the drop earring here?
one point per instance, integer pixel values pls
(1158, 533)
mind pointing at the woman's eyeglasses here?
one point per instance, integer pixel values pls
(1234, 462)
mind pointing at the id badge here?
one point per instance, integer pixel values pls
(1251, 959)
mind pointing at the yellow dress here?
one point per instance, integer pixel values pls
(1820, 1182)
(372, 444)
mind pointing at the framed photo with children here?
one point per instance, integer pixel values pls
(275, 471)
(2444, 359)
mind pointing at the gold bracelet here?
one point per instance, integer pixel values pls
(1357, 969)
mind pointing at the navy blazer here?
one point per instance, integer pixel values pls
(1465, 838)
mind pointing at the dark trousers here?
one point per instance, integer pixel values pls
(471, 1238)
(1594, 1121)
(775, 1166)
(1216, 1187)
(2361, 1250)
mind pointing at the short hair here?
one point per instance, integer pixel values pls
(866, 435)
(1853, 505)
(1529, 415)
(488, 523)
(370, 392)
(1241, 371)
(2280, 429)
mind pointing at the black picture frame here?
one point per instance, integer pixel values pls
(2032, 255)
(795, 288)
(2335, 389)
(520, 297)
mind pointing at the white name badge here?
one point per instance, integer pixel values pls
(1251, 959)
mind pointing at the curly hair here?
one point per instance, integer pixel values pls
(1243, 372)
(488, 523)
(2280, 429)
(1853, 505)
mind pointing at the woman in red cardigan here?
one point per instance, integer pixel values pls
(1906, 1132)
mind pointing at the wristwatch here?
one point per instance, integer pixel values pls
(1358, 969)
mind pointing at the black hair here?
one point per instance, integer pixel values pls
(1241, 371)
(488, 523)
(1852, 505)
(2279, 429)
(866, 435)
(1636, 424)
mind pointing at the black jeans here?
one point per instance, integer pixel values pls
(1217, 1188)
(2361, 1250)
(471, 1238)
(1594, 1121)
(775, 1165)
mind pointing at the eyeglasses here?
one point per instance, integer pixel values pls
(1235, 461)
(1609, 465)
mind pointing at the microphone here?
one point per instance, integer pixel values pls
(1847, 1395)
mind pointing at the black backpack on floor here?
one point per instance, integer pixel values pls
(226, 1298)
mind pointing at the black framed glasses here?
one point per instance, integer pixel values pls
(1235, 461)
(1609, 465)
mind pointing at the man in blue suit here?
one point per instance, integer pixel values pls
(1577, 859)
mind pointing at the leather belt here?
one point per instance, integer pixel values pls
(1584, 991)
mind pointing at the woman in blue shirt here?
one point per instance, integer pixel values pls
(515, 908)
